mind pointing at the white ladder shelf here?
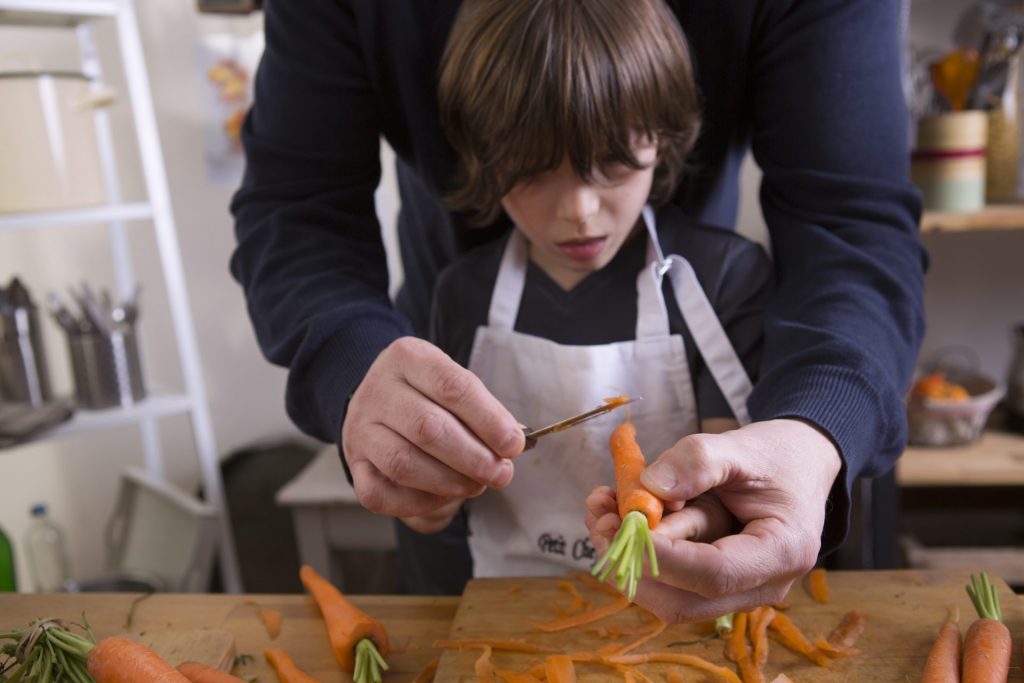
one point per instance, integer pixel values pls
(79, 16)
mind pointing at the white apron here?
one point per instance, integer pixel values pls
(535, 525)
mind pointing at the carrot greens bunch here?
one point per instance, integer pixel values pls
(47, 651)
(640, 511)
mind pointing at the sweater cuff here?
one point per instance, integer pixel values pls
(844, 405)
(318, 393)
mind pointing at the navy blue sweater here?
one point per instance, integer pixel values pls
(811, 87)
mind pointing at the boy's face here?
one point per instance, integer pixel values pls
(574, 226)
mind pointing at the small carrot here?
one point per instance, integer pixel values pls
(483, 667)
(987, 645)
(359, 641)
(200, 673)
(559, 669)
(738, 650)
(818, 585)
(119, 660)
(640, 511)
(943, 662)
(286, 669)
(659, 628)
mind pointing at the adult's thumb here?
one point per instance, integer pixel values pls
(693, 466)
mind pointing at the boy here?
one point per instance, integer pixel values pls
(574, 117)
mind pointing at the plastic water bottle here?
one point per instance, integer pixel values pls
(44, 547)
(8, 581)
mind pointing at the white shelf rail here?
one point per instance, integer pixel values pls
(77, 13)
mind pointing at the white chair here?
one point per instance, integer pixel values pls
(158, 537)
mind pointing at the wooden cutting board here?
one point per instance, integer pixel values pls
(207, 646)
(904, 608)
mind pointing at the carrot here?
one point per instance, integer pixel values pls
(559, 669)
(427, 675)
(359, 641)
(793, 638)
(818, 585)
(285, 668)
(640, 511)
(943, 663)
(200, 673)
(119, 660)
(49, 651)
(987, 645)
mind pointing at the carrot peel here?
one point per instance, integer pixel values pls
(625, 556)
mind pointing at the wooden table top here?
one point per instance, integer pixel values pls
(414, 623)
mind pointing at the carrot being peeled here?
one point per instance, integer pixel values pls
(640, 511)
(987, 644)
(200, 673)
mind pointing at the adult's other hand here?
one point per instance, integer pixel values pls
(421, 431)
(774, 478)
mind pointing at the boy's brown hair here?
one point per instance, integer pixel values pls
(525, 82)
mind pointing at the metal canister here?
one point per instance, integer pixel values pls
(24, 377)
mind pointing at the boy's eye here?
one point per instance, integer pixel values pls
(615, 170)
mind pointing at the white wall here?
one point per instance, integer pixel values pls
(77, 477)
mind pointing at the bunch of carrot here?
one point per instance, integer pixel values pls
(640, 511)
(985, 652)
(48, 651)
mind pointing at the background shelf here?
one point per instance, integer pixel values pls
(992, 217)
(996, 459)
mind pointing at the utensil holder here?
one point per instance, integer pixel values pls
(24, 377)
(107, 368)
(948, 163)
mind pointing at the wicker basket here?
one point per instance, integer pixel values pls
(953, 423)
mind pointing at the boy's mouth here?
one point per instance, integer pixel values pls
(583, 249)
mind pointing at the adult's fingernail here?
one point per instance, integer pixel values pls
(504, 476)
(660, 476)
(511, 443)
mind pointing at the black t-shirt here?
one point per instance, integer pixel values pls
(735, 273)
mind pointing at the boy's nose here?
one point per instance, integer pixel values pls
(579, 204)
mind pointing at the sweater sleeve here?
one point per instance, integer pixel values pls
(829, 131)
(309, 253)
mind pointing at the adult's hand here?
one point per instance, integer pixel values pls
(422, 432)
(774, 478)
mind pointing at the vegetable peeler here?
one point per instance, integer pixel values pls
(609, 405)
